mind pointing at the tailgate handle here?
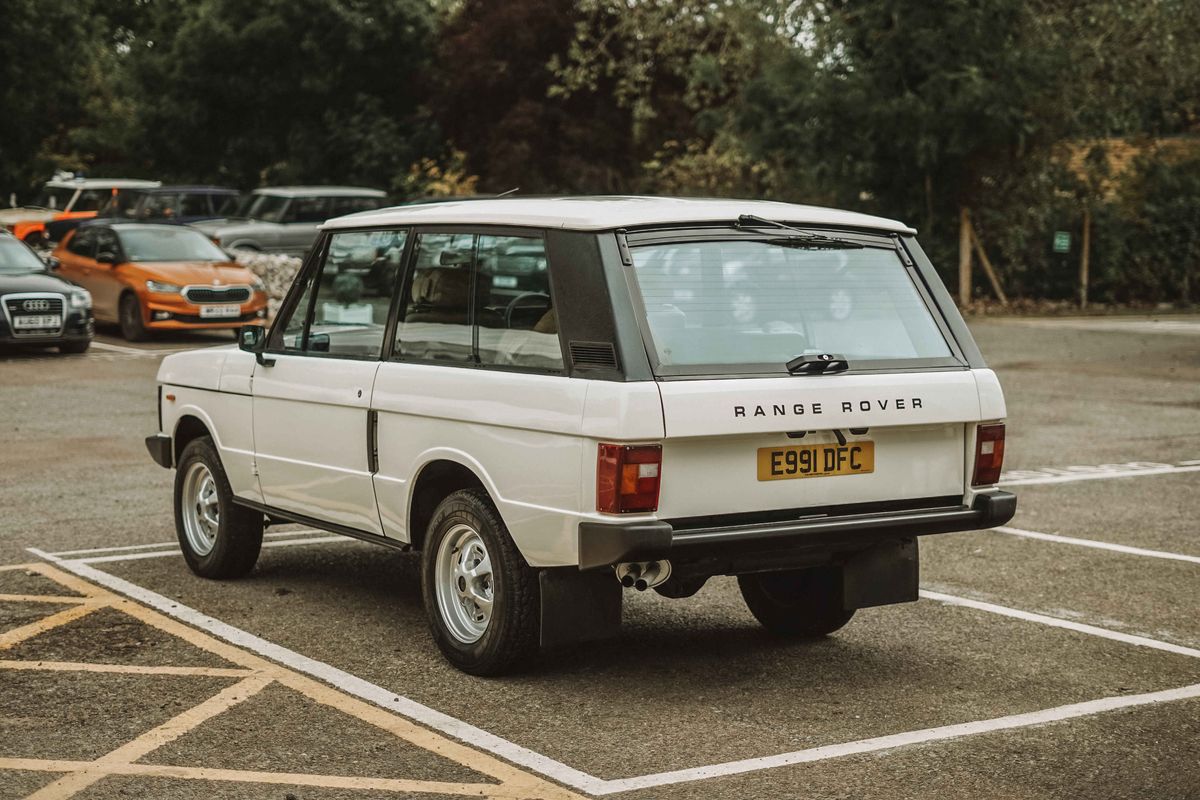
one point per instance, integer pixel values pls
(817, 364)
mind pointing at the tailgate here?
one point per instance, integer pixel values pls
(916, 423)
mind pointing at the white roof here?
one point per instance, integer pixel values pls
(607, 213)
(320, 191)
(103, 183)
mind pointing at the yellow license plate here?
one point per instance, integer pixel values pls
(815, 460)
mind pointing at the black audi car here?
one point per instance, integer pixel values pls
(40, 309)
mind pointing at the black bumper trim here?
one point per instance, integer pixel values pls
(602, 544)
(160, 449)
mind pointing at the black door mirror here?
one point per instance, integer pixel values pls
(318, 342)
(250, 338)
(106, 257)
(253, 339)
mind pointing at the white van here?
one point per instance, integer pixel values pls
(555, 400)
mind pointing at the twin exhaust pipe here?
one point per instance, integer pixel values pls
(643, 575)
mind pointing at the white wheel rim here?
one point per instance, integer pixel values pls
(201, 509)
(463, 582)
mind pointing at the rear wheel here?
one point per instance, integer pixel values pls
(797, 603)
(219, 538)
(133, 327)
(480, 595)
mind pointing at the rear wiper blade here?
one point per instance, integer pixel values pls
(817, 364)
(798, 238)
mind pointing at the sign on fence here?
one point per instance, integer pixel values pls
(1062, 242)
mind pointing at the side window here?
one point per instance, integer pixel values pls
(308, 209)
(479, 299)
(83, 243)
(435, 312)
(340, 206)
(353, 294)
(518, 325)
(106, 242)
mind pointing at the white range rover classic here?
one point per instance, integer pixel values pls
(557, 399)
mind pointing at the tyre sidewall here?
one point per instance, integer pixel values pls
(506, 637)
(216, 563)
(133, 328)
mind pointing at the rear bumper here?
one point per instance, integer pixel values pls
(602, 544)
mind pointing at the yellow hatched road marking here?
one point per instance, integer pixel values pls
(256, 673)
(127, 669)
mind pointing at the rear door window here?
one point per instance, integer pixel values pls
(753, 305)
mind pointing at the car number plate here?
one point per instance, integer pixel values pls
(815, 460)
(220, 312)
(38, 321)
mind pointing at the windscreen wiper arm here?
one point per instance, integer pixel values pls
(798, 237)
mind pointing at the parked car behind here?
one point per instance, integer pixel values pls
(284, 219)
(66, 198)
(178, 204)
(148, 277)
(40, 309)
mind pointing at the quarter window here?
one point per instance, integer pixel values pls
(514, 277)
(353, 292)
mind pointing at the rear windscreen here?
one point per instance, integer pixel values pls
(754, 303)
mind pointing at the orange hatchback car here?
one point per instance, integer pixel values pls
(148, 277)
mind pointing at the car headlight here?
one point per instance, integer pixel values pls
(81, 299)
(163, 288)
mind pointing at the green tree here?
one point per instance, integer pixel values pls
(42, 86)
(495, 102)
(284, 90)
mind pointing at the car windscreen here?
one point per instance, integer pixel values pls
(56, 198)
(17, 259)
(757, 304)
(169, 244)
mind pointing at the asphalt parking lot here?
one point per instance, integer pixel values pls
(1056, 657)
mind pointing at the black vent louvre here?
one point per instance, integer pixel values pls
(593, 355)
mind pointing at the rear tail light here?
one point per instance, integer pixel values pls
(627, 478)
(989, 454)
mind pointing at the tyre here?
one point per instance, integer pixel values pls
(75, 347)
(219, 539)
(480, 596)
(133, 326)
(798, 603)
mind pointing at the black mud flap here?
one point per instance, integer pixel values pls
(881, 575)
(579, 606)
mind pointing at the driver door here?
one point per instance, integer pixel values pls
(311, 434)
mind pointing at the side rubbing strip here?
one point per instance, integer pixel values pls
(372, 441)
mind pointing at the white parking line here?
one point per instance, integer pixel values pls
(173, 543)
(116, 348)
(1056, 622)
(1117, 548)
(877, 744)
(1132, 469)
(175, 552)
(577, 779)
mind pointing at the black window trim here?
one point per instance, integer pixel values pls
(663, 235)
